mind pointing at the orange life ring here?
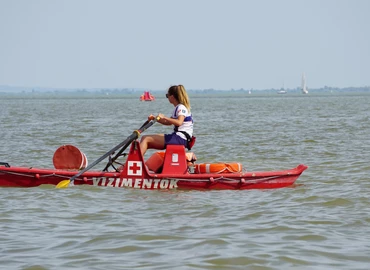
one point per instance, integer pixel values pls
(220, 167)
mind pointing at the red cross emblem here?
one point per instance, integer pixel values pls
(134, 168)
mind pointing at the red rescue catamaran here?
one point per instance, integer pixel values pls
(147, 96)
(172, 169)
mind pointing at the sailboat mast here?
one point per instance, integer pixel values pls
(304, 88)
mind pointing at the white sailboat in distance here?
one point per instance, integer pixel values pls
(304, 87)
(282, 90)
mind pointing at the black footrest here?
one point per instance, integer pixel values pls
(6, 164)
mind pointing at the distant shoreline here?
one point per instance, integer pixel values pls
(34, 91)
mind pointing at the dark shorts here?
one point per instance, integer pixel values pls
(173, 138)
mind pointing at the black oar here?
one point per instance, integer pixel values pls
(131, 138)
(111, 161)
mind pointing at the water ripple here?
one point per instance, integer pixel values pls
(320, 223)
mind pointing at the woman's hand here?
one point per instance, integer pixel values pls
(160, 117)
(163, 119)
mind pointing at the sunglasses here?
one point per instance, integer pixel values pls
(167, 95)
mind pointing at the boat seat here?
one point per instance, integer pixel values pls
(156, 161)
(175, 160)
(174, 157)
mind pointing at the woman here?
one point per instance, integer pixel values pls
(181, 118)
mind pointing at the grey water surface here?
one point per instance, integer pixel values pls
(321, 223)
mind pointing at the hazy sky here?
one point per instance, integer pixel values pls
(153, 44)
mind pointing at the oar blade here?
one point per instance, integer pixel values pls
(63, 184)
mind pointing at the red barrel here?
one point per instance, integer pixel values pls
(69, 157)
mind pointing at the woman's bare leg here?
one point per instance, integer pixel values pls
(155, 141)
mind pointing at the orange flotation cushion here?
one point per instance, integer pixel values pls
(220, 167)
(155, 162)
(69, 157)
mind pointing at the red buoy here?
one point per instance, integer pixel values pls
(69, 157)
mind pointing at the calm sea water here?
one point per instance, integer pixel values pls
(323, 223)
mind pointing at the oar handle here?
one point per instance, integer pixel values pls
(130, 138)
(111, 161)
(127, 142)
(148, 124)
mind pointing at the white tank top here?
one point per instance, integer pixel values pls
(187, 125)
